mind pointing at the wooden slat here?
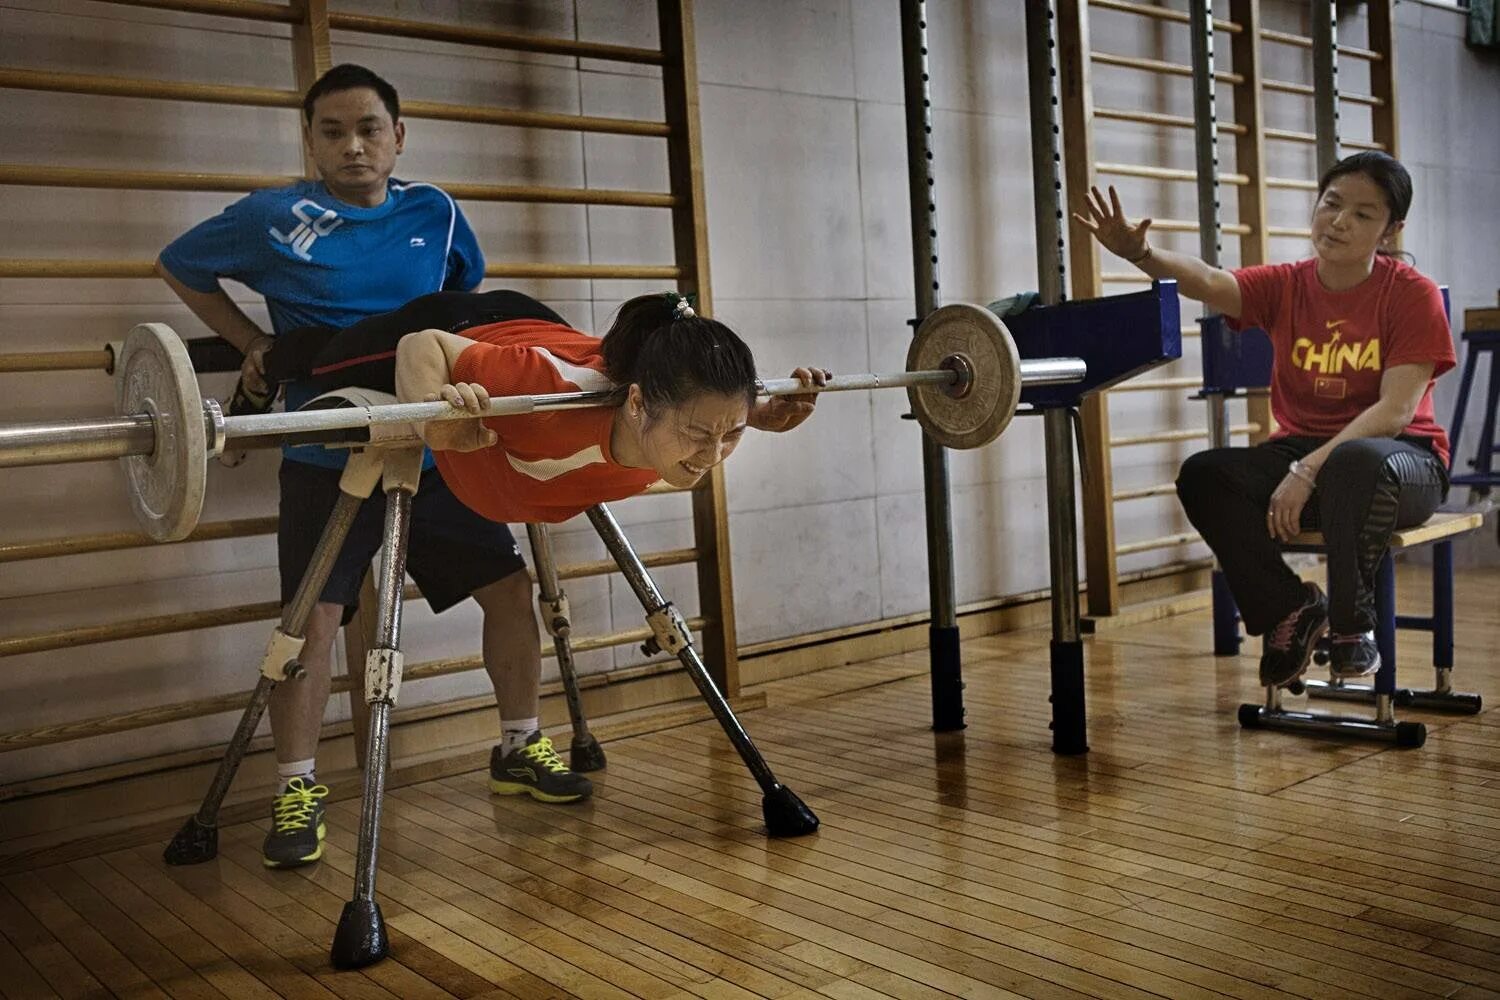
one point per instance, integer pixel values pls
(1164, 173)
(1385, 119)
(1191, 226)
(1159, 385)
(1435, 528)
(1157, 118)
(57, 361)
(1291, 184)
(490, 38)
(198, 708)
(1144, 492)
(1158, 66)
(247, 10)
(111, 541)
(190, 180)
(1300, 232)
(1077, 100)
(270, 97)
(1153, 544)
(64, 268)
(1303, 42)
(1166, 437)
(1160, 13)
(239, 614)
(1306, 90)
(690, 243)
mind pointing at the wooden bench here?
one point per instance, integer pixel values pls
(1439, 532)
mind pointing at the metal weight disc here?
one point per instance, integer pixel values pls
(975, 338)
(153, 374)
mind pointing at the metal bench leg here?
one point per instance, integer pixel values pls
(1383, 728)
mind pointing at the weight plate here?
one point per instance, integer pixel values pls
(153, 374)
(963, 335)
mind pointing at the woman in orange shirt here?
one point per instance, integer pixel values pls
(685, 392)
(1358, 338)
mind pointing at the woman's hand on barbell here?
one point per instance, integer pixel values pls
(782, 413)
(460, 435)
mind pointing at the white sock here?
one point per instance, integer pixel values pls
(515, 732)
(303, 769)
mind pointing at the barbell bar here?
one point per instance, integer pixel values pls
(963, 379)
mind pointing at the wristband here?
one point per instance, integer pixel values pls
(1142, 258)
(1303, 473)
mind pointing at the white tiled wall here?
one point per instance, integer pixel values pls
(809, 229)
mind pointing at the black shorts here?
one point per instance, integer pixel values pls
(364, 354)
(452, 551)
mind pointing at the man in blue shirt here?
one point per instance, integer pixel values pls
(328, 253)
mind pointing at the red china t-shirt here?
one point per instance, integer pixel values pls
(1330, 349)
(546, 466)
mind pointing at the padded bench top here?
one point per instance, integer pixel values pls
(1434, 529)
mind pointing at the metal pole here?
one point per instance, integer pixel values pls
(1069, 719)
(360, 938)
(585, 753)
(197, 839)
(1325, 82)
(1046, 156)
(1210, 248)
(102, 438)
(786, 815)
(946, 661)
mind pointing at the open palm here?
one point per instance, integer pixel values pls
(1106, 220)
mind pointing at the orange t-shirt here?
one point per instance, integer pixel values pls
(1330, 349)
(549, 466)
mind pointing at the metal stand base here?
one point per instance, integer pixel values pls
(1440, 698)
(785, 814)
(197, 840)
(1383, 728)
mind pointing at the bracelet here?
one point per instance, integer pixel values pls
(1141, 259)
(1303, 473)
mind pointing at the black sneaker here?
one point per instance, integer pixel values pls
(297, 828)
(536, 770)
(1289, 646)
(1353, 655)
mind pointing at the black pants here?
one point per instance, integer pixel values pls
(364, 354)
(1368, 488)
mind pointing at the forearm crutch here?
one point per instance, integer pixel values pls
(197, 840)
(361, 937)
(586, 753)
(786, 815)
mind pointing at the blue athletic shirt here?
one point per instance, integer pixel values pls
(320, 262)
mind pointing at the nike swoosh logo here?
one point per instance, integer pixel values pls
(1333, 323)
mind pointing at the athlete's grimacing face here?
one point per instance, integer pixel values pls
(683, 442)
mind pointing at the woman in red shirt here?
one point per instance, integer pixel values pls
(1358, 338)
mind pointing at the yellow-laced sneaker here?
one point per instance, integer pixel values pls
(536, 770)
(297, 827)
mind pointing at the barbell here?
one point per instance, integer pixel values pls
(964, 378)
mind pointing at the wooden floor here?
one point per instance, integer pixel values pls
(1180, 858)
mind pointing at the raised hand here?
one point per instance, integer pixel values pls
(1106, 220)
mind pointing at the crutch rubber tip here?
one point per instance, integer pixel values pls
(586, 755)
(1250, 717)
(1410, 734)
(360, 939)
(192, 844)
(786, 815)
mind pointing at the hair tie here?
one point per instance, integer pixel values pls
(682, 306)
